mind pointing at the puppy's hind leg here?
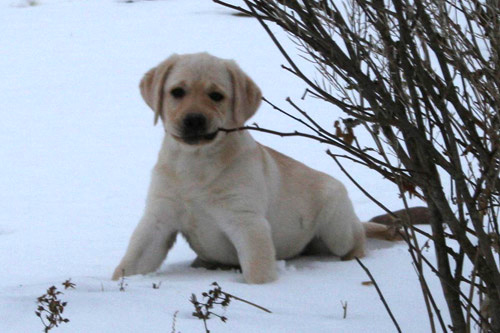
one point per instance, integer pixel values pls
(340, 229)
(348, 243)
(381, 231)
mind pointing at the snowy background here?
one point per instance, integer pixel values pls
(77, 144)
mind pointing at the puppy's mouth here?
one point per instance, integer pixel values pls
(196, 139)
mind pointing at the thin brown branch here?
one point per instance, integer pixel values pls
(382, 298)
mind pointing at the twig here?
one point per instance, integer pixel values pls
(174, 320)
(203, 309)
(236, 8)
(379, 293)
(248, 302)
(344, 307)
(122, 284)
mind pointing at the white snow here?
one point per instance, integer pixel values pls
(77, 147)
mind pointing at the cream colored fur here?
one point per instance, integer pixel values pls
(236, 201)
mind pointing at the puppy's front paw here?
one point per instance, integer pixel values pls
(259, 274)
(119, 273)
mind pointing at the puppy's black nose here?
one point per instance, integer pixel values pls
(194, 123)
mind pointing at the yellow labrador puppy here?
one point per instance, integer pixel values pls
(236, 201)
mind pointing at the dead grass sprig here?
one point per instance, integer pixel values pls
(215, 296)
(50, 308)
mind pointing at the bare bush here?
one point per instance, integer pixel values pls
(423, 78)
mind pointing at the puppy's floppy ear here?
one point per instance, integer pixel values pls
(153, 83)
(246, 95)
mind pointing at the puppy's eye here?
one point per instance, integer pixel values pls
(215, 96)
(177, 92)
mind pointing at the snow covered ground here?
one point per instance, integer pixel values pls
(77, 144)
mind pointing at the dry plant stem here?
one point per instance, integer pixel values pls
(174, 321)
(417, 257)
(344, 307)
(215, 296)
(122, 284)
(51, 308)
(471, 297)
(248, 302)
(364, 159)
(417, 261)
(382, 298)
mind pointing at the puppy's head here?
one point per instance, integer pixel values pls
(196, 94)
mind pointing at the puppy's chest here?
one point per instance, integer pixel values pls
(194, 194)
(200, 225)
(204, 196)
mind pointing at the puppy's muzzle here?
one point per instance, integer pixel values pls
(194, 129)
